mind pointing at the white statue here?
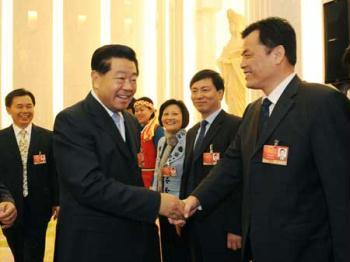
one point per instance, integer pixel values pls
(229, 64)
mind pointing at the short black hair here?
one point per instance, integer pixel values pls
(181, 105)
(218, 81)
(100, 58)
(275, 31)
(147, 99)
(18, 92)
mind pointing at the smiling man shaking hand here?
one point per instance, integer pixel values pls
(107, 215)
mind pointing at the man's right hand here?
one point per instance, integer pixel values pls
(171, 206)
(8, 214)
(191, 206)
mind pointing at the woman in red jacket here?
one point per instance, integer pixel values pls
(150, 135)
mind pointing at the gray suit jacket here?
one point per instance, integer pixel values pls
(175, 159)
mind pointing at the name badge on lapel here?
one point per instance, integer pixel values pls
(276, 155)
(39, 159)
(211, 158)
(168, 171)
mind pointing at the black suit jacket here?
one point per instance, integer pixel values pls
(212, 225)
(299, 212)
(106, 214)
(42, 179)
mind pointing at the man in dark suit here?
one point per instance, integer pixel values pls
(8, 211)
(27, 169)
(106, 213)
(296, 209)
(213, 235)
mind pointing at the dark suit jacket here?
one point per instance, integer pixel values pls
(212, 225)
(42, 179)
(106, 214)
(299, 212)
(5, 195)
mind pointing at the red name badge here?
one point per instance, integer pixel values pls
(39, 159)
(276, 155)
(168, 171)
(140, 159)
(211, 159)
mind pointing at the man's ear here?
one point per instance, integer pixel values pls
(221, 94)
(279, 54)
(95, 76)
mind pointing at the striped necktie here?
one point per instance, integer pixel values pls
(23, 149)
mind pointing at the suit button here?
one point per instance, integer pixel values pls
(166, 190)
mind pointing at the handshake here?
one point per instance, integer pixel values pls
(176, 210)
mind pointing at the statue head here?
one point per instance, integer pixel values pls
(236, 21)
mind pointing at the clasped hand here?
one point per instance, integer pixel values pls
(177, 210)
(8, 214)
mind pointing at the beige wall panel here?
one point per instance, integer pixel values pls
(126, 22)
(161, 50)
(205, 22)
(127, 28)
(176, 68)
(32, 54)
(81, 37)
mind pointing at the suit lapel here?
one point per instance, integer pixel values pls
(105, 122)
(281, 109)
(188, 163)
(130, 134)
(212, 131)
(12, 143)
(251, 131)
(190, 138)
(34, 142)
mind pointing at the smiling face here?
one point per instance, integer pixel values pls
(172, 119)
(205, 97)
(116, 88)
(21, 110)
(258, 62)
(143, 114)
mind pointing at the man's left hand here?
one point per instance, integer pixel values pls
(234, 242)
(8, 214)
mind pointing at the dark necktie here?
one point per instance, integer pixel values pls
(264, 115)
(200, 139)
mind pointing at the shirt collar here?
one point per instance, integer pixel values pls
(277, 92)
(18, 129)
(210, 119)
(110, 112)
